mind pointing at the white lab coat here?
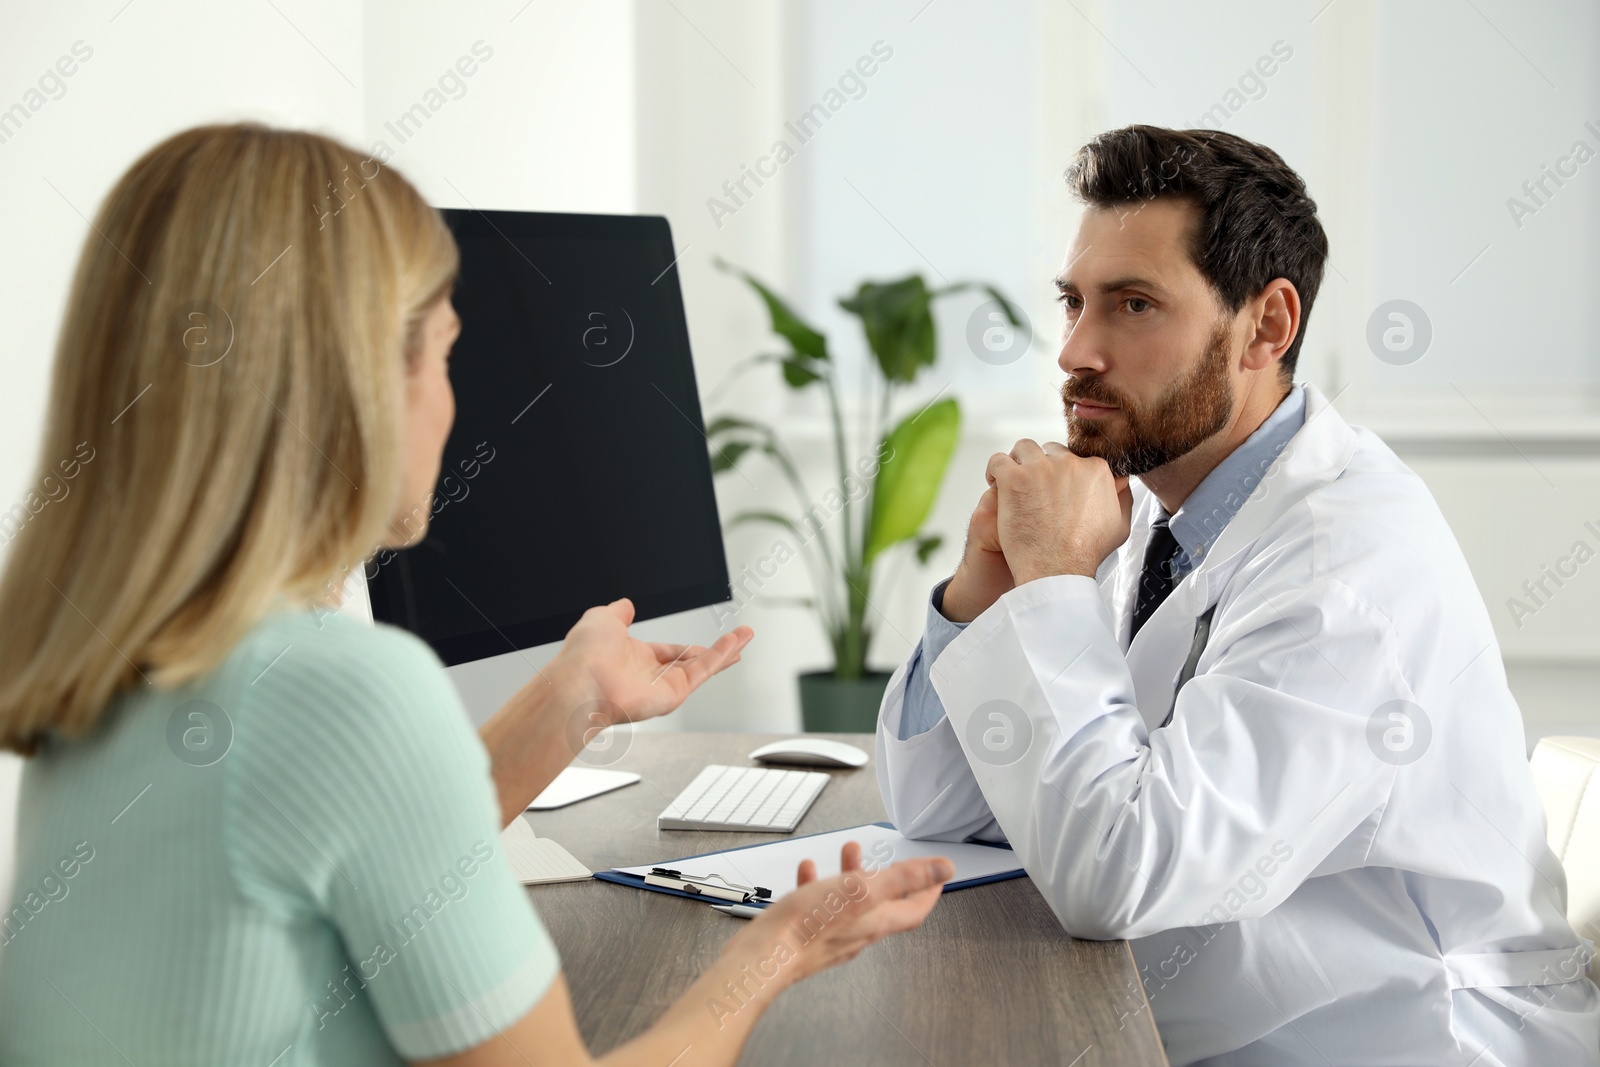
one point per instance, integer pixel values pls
(1294, 891)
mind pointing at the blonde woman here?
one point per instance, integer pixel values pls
(253, 831)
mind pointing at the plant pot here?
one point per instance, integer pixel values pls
(829, 704)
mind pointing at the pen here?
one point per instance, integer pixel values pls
(698, 886)
(739, 911)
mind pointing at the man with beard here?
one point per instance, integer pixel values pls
(1267, 737)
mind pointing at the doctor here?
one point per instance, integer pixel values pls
(1217, 670)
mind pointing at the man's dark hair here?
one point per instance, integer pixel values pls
(1256, 221)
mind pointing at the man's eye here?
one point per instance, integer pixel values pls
(1138, 305)
(1071, 300)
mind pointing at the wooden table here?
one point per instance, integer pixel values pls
(989, 978)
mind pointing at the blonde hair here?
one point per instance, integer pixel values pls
(225, 414)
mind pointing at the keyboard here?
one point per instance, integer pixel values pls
(760, 799)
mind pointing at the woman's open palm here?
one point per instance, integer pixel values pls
(641, 679)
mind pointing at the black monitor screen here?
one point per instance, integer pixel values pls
(577, 470)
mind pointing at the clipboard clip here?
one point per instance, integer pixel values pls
(708, 885)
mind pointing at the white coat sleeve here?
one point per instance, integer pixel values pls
(1128, 832)
(928, 789)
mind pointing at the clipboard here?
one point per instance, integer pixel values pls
(764, 864)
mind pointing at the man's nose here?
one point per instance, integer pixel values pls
(1082, 353)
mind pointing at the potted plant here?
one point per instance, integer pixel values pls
(881, 499)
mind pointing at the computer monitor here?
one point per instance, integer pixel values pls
(577, 470)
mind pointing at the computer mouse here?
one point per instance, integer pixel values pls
(811, 752)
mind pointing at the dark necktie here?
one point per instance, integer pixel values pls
(1156, 580)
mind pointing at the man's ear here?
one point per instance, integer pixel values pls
(1274, 322)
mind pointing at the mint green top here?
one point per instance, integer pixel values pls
(294, 860)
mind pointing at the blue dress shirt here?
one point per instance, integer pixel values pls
(1197, 524)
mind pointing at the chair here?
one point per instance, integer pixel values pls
(1564, 772)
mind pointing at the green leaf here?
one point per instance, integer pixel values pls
(898, 322)
(927, 546)
(724, 457)
(798, 370)
(724, 423)
(916, 454)
(798, 374)
(785, 323)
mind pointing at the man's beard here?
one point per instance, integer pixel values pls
(1154, 434)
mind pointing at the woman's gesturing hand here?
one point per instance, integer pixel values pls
(829, 921)
(601, 677)
(822, 923)
(628, 679)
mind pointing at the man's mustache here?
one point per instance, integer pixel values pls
(1091, 390)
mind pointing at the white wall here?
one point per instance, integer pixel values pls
(544, 123)
(1510, 96)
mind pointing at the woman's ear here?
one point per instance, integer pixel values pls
(1275, 323)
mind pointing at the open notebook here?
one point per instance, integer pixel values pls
(536, 860)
